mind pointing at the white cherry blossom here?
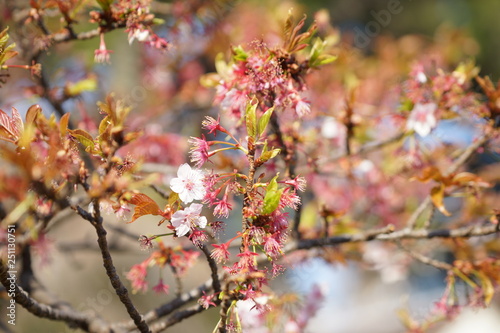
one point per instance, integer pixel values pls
(422, 118)
(188, 184)
(184, 220)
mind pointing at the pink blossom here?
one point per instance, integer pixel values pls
(198, 237)
(222, 208)
(235, 102)
(302, 108)
(188, 184)
(217, 227)
(247, 259)
(422, 119)
(199, 151)
(184, 220)
(146, 242)
(232, 270)
(220, 253)
(137, 276)
(206, 301)
(123, 211)
(299, 183)
(212, 125)
(272, 247)
(102, 54)
(289, 198)
(277, 269)
(161, 287)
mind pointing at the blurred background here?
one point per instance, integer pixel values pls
(358, 299)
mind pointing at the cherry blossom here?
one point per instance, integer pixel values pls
(101, 55)
(161, 287)
(184, 220)
(188, 184)
(422, 119)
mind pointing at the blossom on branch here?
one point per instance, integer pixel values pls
(422, 119)
(188, 184)
(184, 220)
(101, 55)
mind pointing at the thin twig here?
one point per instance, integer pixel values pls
(426, 260)
(367, 148)
(474, 231)
(451, 169)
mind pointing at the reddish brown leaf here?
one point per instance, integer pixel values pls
(11, 127)
(63, 124)
(32, 113)
(144, 205)
(430, 173)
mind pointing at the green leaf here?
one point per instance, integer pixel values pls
(6, 51)
(251, 118)
(239, 54)
(76, 88)
(268, 154)
(325, 59)
(158, 21)
(264, 120)
(84, 138)
(316, 56)
(272, 197)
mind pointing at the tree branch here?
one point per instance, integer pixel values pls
(426, 260)
(168, 308)
(72, 318)
(122, 292)
(383, 235)
(451, 169)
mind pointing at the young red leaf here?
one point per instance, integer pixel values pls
(144, 205)
(63, 124)
(11, 127)
(32, 113)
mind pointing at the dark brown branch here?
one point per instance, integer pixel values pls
(177, 317)
(170, 307)
(213, 268)
(122, 292)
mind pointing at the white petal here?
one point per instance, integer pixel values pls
(196, 208)
(202, 222)
(177, 185)
(186, 196)
(184, 171)
(422, 129)
(182, 230)
(198, 193)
